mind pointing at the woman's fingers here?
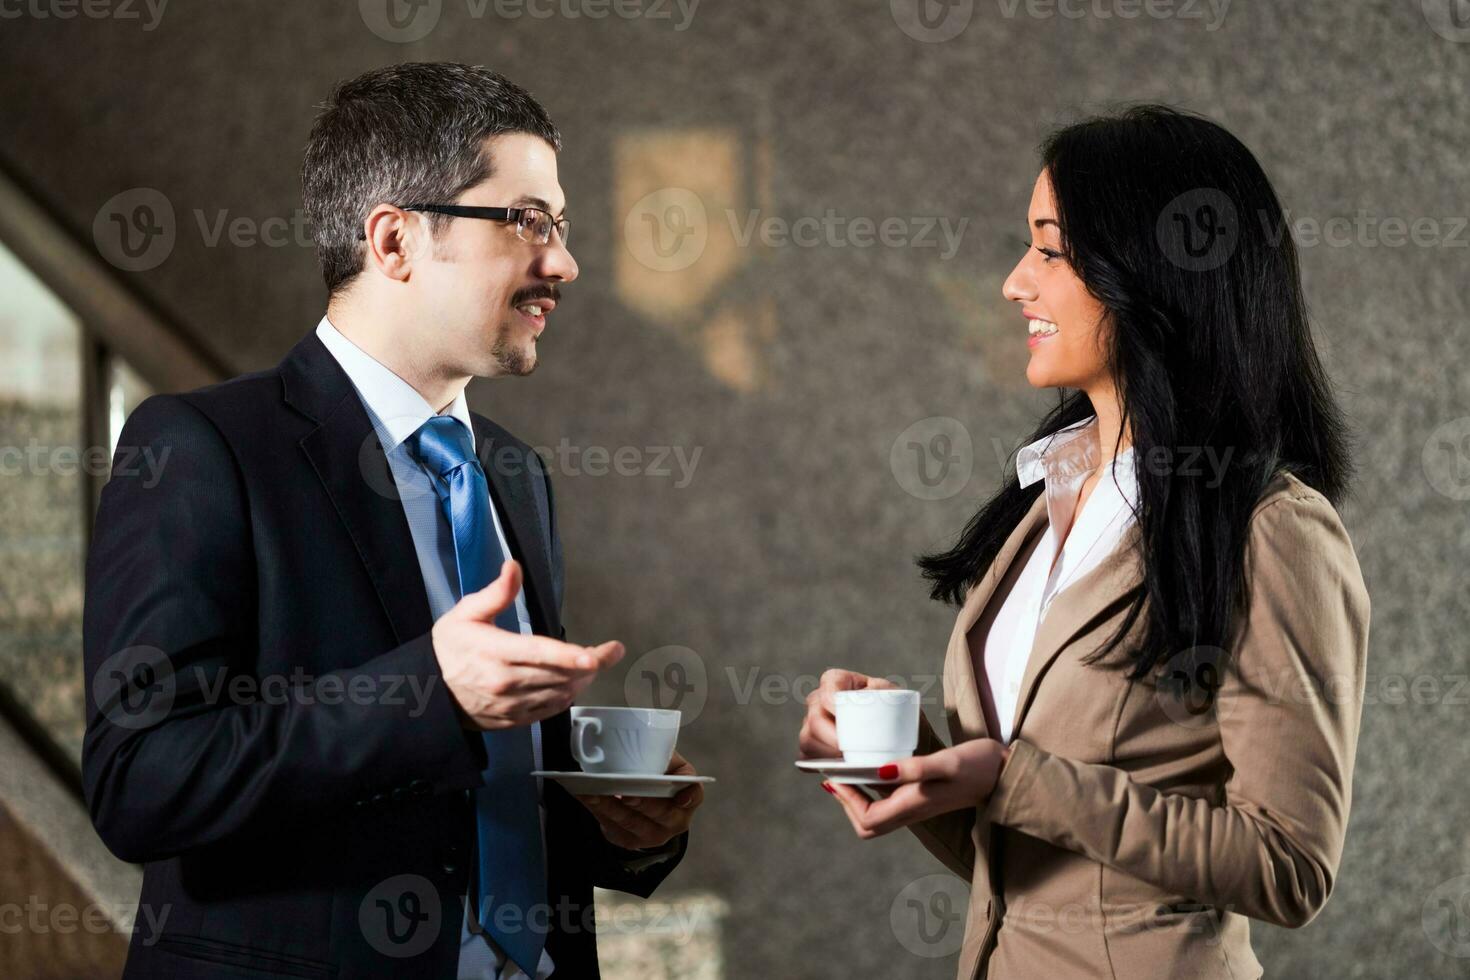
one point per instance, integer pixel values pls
(851, 801)
(915, 768)
(818, 738)
(907, 804)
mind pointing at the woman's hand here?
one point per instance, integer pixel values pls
(928, 785)
(818, 738)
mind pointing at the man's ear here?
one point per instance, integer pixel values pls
(395, 239)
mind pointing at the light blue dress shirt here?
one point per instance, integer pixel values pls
(396, 411)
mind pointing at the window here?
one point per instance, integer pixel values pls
(50, 472)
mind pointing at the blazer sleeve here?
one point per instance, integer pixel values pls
(1272, 849)
(947, 836)
(637, 872)
(169, 765)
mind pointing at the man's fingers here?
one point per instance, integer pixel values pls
(494, 598)
(539, 705)
(522, 679)
(610, 810)
(549, 654)
(607, 654)
(614, 833)
(660, 810)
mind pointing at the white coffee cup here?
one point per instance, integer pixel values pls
(624, 740)
(877, 725)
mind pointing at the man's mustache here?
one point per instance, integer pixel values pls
(545, 290)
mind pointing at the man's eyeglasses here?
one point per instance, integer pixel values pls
(532, 224)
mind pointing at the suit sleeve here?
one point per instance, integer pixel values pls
(948, 835)
(637, 872)
(172, 761)
(1272, 848)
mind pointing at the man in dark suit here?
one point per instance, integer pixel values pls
(325, 651)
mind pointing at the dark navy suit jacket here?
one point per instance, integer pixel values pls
(268, 730)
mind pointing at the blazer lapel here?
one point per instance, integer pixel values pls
(345, 452)
(517, 509)
(967, 716)
(1081, 606)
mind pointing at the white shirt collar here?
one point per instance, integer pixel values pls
(397, 409)
(1071, 452)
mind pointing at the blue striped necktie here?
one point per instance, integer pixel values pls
(507, 870)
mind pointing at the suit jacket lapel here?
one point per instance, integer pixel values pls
(345, 452)
(1081, 606)
(512, 492)
(967, 716)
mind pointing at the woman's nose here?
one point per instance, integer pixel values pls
(1020, 285)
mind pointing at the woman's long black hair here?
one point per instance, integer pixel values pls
(1172, 225)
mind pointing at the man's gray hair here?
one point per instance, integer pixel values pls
(405, 134)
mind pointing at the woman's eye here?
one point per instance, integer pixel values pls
(1026, 246)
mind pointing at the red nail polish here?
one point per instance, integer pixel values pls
(889, 771)
(828, 788)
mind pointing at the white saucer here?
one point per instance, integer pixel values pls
(844, 772)
(621, 784)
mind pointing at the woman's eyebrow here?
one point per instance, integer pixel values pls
(1042, 222)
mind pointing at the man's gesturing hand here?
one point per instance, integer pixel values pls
(500, 679)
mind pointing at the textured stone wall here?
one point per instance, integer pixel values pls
(795, 365)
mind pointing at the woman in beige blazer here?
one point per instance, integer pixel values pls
(1154, 684)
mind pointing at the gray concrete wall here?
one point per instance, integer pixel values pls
(793, 370)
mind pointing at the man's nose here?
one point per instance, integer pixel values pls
(555, 262)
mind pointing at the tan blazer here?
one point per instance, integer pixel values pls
(1127, 836)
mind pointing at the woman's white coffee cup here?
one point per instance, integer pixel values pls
(877, 725)
(624, 740)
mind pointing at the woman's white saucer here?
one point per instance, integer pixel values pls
(844, 772)
(620, 783)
